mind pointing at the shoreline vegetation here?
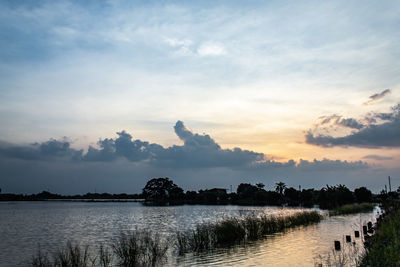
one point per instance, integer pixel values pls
(144, 248)
(163, 191)
(230, 231)
(137, 248)
(383, 247)
(351, 209)
(381, 242)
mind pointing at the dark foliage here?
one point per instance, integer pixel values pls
(362, 194)
(162, 189)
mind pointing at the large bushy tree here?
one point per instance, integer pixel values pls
(162, 189)
(246, 190)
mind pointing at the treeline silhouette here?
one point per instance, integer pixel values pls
(163, 191)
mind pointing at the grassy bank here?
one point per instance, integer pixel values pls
(138, 248)
(385, 248)
(234, 230)
(352, 208)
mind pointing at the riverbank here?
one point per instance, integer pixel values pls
(384, 246)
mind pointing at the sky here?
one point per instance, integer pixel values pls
(104, 95)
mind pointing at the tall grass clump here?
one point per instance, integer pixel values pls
(140, 248)
(352, 208)
(41, 259)
(200, 239)
(71, 256)
(105, 257)
(235, 230)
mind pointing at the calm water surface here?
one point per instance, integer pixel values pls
(26, 225)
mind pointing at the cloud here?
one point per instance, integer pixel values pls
(202, 151)
(123, 164)
(377, 157)
(343, 122)
(211, 49)
(187, 47)
(52, 149)
(378, 96)
(197, 151)
(383, 134)
(183, 45)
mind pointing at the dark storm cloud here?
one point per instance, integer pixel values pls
(52, 149)
(202, 151)
(382, 135)
(386, 133)
(197, 151)
(378, 96)
(377, 157)
(122, 147)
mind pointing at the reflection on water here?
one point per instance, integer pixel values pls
(25, 225)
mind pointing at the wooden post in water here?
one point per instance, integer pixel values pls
(348, 238)
(365, 230)
(337, 245)
(369, 225)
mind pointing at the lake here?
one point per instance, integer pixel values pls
(24, 226)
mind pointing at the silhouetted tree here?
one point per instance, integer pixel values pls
(362, 194)
(191, 196)
(162, 189)
(292, 196)
(307, 197)
(260, 185)
(333, 196)
(213, 196)
(245, 190)
(280, 187)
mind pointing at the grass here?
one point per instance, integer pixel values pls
(385, 247)
(138, 248)
(71, 256)
(351, 209)
(233, 230)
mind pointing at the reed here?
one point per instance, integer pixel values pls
(140, 248)
(143, 248)
(72, 255)
(137, 248)
(233, 230)
(351, 209)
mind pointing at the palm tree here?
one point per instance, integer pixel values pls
(261, 185)
(280, 187)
